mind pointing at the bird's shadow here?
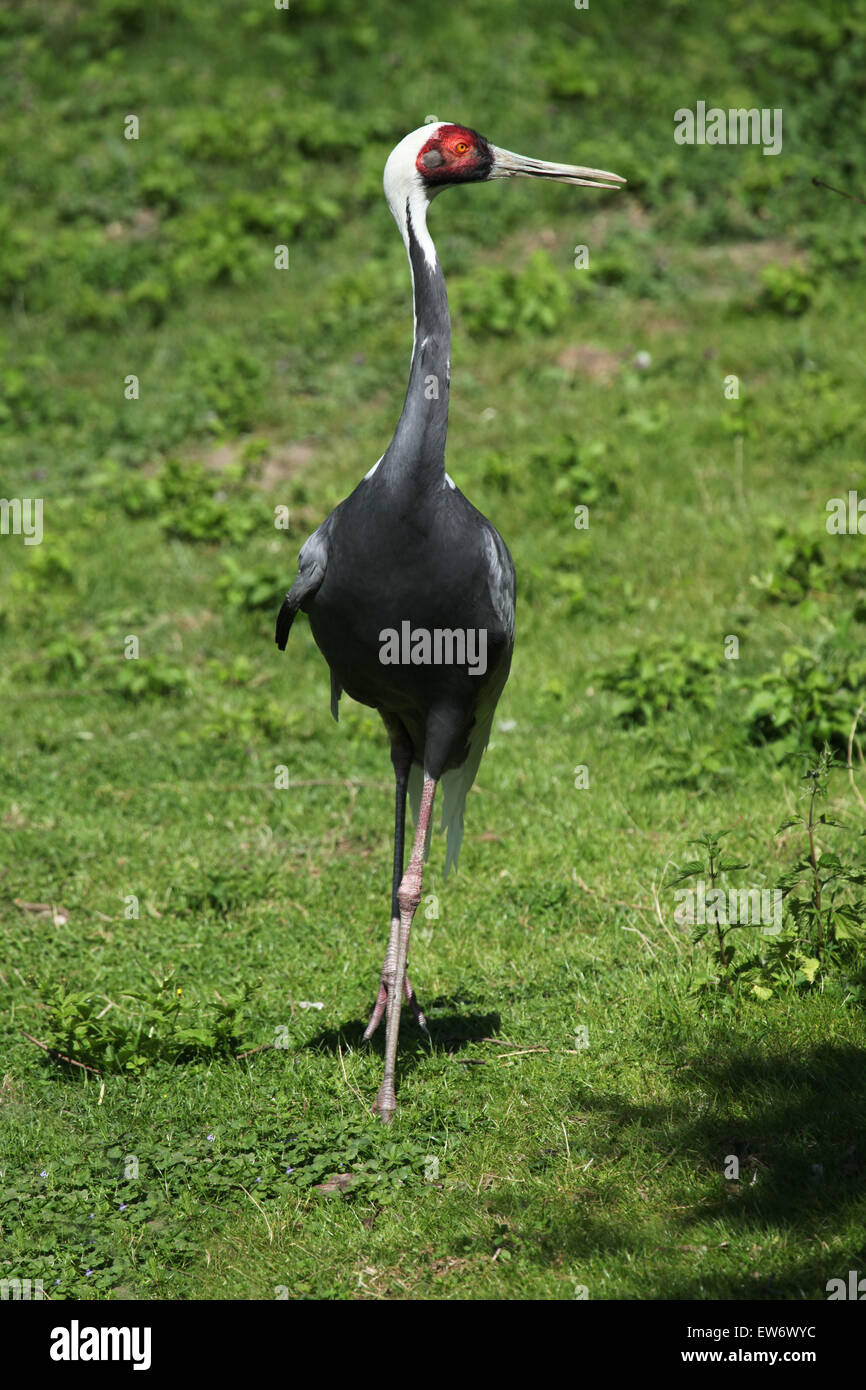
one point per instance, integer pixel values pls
(449, 1032)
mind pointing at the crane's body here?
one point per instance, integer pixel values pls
(446, 709)
(407, 556)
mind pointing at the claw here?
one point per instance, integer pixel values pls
(376, 1015)
(417, 1011)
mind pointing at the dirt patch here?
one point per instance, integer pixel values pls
(740, 263)
(596, 364)
(285, 462)
(598, 228)
(652, 323)
(223, 456)
(754, 255)
(144, 224)
(735, 268)
(592, 228)
(282, 461)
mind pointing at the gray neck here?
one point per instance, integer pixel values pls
(417, 451)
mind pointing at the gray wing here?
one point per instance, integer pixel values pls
(500, 578)
(312, 563)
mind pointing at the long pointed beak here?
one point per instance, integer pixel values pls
(507, 165)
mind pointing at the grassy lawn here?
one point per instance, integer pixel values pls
(194, 864)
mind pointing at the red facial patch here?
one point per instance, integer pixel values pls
(455, 154)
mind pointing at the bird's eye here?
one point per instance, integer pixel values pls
(461, 147)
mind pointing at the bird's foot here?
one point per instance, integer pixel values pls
(380, 1005)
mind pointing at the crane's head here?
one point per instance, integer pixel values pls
(441, 154)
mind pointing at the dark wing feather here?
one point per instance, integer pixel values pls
(312, 563)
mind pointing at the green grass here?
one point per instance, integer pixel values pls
(193, 906)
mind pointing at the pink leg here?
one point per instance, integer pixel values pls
(401, 757)
(396, 983)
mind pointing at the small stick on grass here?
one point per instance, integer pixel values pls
(52, 1052)
(852, 197)
(645, 939)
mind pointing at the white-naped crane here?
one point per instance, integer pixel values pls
(406, 584)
